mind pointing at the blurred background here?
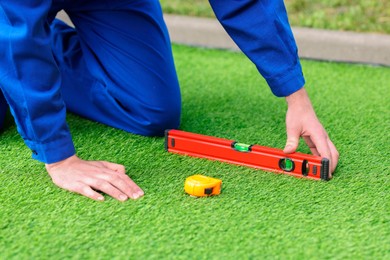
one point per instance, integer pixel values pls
(346, 15)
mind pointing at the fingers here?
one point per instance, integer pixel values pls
(321, 145)
(136, 189)
(87, 177)
(116, 185)
(312, 146)
(86, 191)
(334, 154)
(293, 135)
(114, 166)
(107, 188)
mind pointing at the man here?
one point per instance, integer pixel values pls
(116, 67)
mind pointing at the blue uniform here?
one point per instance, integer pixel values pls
(116, 65)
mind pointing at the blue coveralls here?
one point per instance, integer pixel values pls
(116, 66)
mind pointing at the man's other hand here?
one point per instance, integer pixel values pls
(301, 120)
(88, 177)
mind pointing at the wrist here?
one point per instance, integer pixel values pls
(55, 164)
(299, 98)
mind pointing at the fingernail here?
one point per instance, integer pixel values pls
(123, 197)
(140, 193)
(101, 198)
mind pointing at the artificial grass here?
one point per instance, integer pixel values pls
(258, 215)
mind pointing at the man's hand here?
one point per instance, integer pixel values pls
(87, 177)
(301, 120)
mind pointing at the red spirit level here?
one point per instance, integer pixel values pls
(256, 156)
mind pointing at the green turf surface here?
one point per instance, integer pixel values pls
(258, 215)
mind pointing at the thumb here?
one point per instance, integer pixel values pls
(292, 141)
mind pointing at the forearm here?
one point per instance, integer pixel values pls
(262, 31)
(30, 80)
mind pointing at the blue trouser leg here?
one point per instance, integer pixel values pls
(3, 109)
(117, 66)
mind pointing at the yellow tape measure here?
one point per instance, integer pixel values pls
(202, 186)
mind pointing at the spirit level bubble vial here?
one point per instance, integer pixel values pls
(255, 156)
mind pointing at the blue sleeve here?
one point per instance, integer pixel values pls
(261, 30)
(30, 80)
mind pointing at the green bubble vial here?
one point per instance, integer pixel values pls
(286, 164)
(242, 147)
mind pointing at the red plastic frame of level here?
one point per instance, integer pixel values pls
(255, 156)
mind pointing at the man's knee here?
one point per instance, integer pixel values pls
(157, 120)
